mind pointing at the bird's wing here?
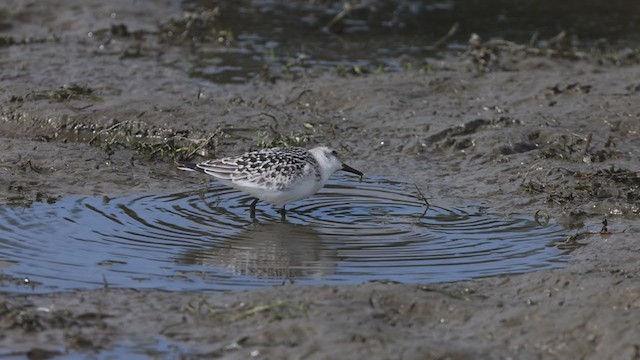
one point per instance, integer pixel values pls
(225, 169)
(266, 169)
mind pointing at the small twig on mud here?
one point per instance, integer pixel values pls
(426, 202)
(105, 283)
(526, 173)
(116, 125)
(586, 146)
(447, 36)
(112, 127)
(533, 39)
(78, 108)
(263, 308)
(299, 96)
(200, 144)
(546, 176)
(28, 164)
(198, 141)
(571, 242)
(458, 295)
(275, 121)
(347, 8)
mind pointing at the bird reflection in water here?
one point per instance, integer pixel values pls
(275, 250)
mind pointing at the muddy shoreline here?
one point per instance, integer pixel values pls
(534, 134)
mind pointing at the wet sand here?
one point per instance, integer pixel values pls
(547, 134)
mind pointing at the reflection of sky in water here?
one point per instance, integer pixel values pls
(204, 239)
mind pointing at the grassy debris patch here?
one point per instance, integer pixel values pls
(61, 94)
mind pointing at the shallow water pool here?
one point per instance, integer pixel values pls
(204, 239)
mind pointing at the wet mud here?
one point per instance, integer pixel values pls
(89, 108)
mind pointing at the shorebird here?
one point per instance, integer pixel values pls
(277, 176)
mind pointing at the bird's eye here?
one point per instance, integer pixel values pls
(334, 153)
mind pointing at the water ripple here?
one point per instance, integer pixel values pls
(204, 240)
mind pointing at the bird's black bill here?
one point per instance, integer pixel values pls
(348, 168)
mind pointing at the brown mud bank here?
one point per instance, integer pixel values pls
(106, 114)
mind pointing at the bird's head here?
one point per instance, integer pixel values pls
(330, 161)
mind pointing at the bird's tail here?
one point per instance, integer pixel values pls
(188, 166)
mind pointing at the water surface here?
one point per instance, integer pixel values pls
(204, 239)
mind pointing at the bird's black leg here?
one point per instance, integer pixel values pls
(253, 209)
(283, 213)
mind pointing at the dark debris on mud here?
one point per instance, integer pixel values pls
(564, 186)
(64, 93)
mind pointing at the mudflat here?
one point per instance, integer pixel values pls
(518, 131)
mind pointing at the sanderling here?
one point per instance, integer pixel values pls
(277, 175)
